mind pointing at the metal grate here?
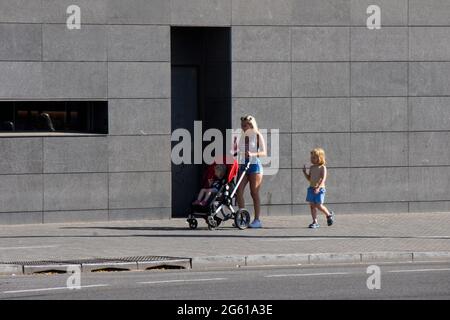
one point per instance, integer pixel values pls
(95, 260)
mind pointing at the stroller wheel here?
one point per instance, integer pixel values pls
(193, 223)
(213, 223)
(242, 219)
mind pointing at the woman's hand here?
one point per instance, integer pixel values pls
(249, 154)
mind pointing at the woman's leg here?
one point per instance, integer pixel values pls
(240, 193)
(255, 184)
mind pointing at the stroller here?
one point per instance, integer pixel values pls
(219, 207)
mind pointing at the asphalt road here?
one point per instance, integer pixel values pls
(397, 281)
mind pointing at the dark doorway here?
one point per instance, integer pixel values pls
(201, 91)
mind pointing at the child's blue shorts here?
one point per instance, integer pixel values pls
(318, 198)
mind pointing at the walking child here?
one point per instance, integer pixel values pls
(317, 177)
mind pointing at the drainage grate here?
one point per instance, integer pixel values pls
(97, 260)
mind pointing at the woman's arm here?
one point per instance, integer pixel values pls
(261, 146)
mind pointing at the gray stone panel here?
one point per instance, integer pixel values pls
(429, 148)
(320, 79)
(284, 151)
(321, 12)
(369, 207)
(138, 43)
(75, 216)
(81, 191)
(320, 114)
(74, 80)
(61, 44)
(139, 80)
(140, 214)
(429, 78)
(20, 80)
(270, 113)
(272, 210)
(20, 155)
(379, 79)
(429, 113)
(92, 11)
(336, 146)
(393, 12)
(77, 154)
(385, 44)
(139, 190)
(337, 186)
(12, 218)
(378, 184)
(429, 183)
(261, 12)
(20, 42)
(201, 12)
(139, 116)
(139, 153)
(430, 43)
(429, 13)
(19, 193)
(261, 43)
(379, 114)
(138, 12)
(275, 189)
(379, 149)
(321, 44)
(261, 79)
(435, 206)
(21, 11)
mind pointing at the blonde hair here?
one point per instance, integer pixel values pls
(320, 153)
(251, 119)
(221, 169)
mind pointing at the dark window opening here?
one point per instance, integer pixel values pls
(54, 116)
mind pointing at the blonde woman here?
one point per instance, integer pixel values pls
(250, 148)
(317, 177)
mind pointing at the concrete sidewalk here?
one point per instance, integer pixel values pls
(355, 238)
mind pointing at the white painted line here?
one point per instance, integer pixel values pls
(417, 270)
(57, 288)
(187, 280)
(306, 274)
(31, 247)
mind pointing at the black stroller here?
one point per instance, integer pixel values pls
(219, 206)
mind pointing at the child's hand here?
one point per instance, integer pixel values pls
(304, 168)
(316, 190)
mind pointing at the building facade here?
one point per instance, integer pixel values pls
(377, 101)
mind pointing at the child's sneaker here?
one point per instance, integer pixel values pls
(314, 226)
(330, 219)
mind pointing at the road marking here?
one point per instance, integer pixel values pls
(31, 247)
(306, 274)
(188, 280)
(56, 288)
(418, 270)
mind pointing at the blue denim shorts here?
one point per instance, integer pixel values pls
(318, 198)
(255, 167)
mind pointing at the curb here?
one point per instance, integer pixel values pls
(199, 263)
(238, 261)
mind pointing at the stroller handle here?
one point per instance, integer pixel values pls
(247, 166)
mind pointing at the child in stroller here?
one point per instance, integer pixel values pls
(220, 191)
(214, 185)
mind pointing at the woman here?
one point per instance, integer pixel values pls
(250, 148)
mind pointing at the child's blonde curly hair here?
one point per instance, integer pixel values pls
(320, 153)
